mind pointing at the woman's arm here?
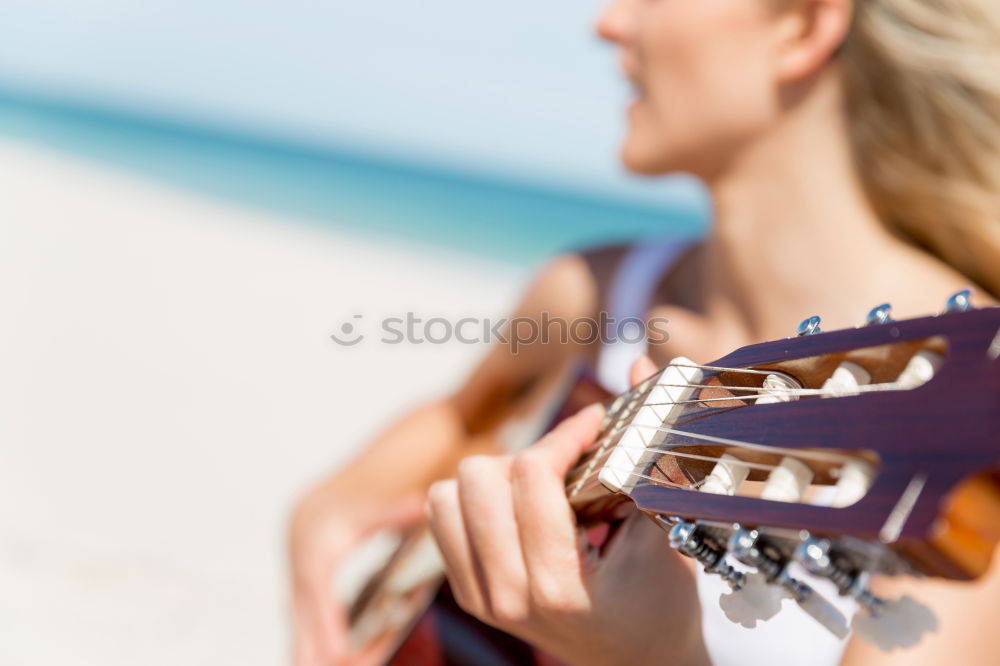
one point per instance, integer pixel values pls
(384, 486)
(967, 623)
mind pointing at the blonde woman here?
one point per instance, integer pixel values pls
(852, 150)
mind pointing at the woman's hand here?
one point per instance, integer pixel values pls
(516, 559)
(325, 527)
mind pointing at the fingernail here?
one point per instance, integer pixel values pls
(593, 409)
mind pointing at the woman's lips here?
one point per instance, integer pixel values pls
(631, 74)
(638, 95)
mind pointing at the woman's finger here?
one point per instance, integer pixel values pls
(488, 511)
(642, 369)
(444, 513)
(546, 525)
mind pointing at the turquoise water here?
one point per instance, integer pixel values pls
(343, 189)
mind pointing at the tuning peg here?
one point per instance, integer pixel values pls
(757, 601)
(808, 326)
(959, 301)
(880, 314)
(901, 623)
(685, 539)
(745, 546)
(887, 624)
(820, 609)
(814, 604)
(814, 555)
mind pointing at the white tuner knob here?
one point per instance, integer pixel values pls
(824, 612)
(846, 379)
(788, 481)
(856, 478)
(757, 601)
(895, 624)
(778, 387)
(920, 369)
(726, 477)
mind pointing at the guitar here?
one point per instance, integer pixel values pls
(840, 455)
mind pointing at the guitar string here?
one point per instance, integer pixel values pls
(723, 386)
(589, 463)
(642, 386)
(574, 488)
(659, 482)
(763, 393)
(753, 371)
(687, 456)
(694, 456)
(577, 486)
(715, 368)
(693, 401)
(601, 441)
(781, 391)
(600, 444)
(799, 453)
(862, 388)
(719, 368)
(594, 469)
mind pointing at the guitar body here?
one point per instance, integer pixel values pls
(446, 635)
(401, 620)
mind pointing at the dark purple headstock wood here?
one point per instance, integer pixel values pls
(947, 430)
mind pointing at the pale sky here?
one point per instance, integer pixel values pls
(520, 87)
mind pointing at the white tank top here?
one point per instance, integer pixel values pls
(791, 637)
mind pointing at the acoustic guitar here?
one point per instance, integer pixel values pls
(837, 455)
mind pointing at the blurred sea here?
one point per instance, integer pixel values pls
(348, 190)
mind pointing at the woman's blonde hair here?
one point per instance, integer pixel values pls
(923, 94)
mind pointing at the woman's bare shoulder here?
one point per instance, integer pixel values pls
(966, 613)
(565, 285)
(521, 359)
(578, 282)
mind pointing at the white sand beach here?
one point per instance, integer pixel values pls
(167, 385)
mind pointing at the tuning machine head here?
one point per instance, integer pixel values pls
(959, 301)
(814, 555)
(880, 314)
(900, 623)
(808, 326)
(750, 548)
(745, 546)
(686, 538)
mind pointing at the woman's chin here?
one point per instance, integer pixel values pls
(638, 159)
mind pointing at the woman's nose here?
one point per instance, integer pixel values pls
(616, 21)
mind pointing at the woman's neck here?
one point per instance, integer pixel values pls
(795, 235)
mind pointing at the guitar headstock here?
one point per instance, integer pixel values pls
(872, 450)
